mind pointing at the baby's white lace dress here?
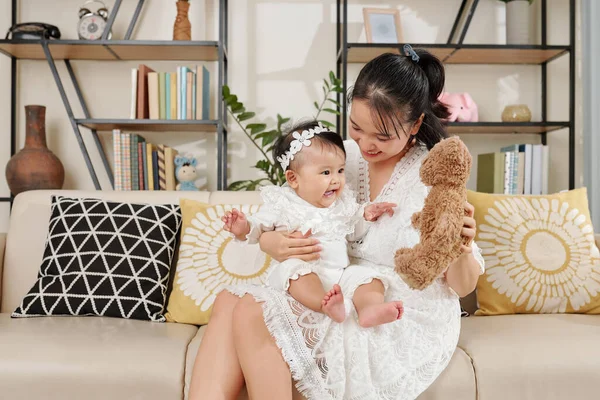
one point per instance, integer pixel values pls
(284, 210)
(399, 360)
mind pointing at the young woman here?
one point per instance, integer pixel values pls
(268, 339)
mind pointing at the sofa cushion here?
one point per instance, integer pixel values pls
(209, 259)
(539, 252)
(29, 225)
(92, 358)
(534, 356)
(105, 258)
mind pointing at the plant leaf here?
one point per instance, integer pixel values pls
(256, 128)
(254, 184)
(231, 99)
(238, 185)
(338, 89)
(316, 105)
(269, 138)
(326, 83)
(332, 77)
(324, 92)
(327, 123)
(245, 115)
(330, 110)
(237, 108)
(335, 102)
(226, 91)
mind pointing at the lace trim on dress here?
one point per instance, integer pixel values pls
(400, 169)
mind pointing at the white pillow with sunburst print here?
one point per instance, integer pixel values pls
(210, 259)
(539, 252)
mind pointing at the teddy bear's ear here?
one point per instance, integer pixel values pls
(179, 160)
(193, 161)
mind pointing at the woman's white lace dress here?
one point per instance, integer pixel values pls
(392, 361)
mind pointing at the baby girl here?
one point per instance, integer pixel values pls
(315, 199)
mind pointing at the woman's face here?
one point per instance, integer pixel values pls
(375, 145)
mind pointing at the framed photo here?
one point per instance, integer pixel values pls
(382, 25)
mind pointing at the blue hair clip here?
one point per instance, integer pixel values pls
(408, 50)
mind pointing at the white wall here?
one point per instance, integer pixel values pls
(279, 52)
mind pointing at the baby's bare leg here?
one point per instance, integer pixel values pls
(371, 307)
(308, 290)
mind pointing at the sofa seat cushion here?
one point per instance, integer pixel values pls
(534, 356)
(92, 358)
(456, 382)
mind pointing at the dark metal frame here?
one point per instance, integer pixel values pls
(342, 48)
(220, 122)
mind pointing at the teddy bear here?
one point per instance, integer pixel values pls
(445, 170)
(185, 172)
(461, 106)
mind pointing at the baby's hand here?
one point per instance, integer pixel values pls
(235, 222)
(376, 210)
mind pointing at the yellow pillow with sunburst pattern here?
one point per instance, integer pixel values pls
(210, 259)
(539, 251)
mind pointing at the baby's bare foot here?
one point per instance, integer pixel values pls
(380, 314)
(333, 304)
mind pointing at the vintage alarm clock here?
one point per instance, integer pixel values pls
(92, 24)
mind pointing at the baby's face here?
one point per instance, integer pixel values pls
(320, 179)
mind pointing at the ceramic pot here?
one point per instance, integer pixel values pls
(182, 30)
(517, 22)
(516, 113)
(35, 166)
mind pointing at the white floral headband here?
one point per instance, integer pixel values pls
(300, 139)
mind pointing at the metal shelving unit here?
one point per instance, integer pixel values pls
(456, 52)
(123, 50)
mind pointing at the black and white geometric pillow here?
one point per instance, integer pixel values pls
(105, 258)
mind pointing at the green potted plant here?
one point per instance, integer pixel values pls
(517, 21)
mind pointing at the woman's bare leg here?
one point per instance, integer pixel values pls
(217, 374)
(267, 374)
(371, 307)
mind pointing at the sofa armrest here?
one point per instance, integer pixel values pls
(2, 246)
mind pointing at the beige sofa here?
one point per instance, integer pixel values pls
(507, 357)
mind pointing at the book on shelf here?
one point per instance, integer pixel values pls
(176, 95)
(515, 169)
(141, 165)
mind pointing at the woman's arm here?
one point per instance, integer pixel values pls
(282, 246)
(462, 274)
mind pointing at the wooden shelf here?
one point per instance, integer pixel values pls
(365, 52)
(463, 54)
(127, 50)
(504, 127)
(472, 54)
(150, 125)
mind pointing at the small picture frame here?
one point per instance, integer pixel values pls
(382, 25)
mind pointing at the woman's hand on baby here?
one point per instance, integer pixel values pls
(469, 227)
(236, 222)
(282, 246)
(376, 210)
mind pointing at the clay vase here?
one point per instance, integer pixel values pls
(34, 167)
(182, 30)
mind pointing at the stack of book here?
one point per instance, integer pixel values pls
(516, 169)
(140, 165)
(183, 94)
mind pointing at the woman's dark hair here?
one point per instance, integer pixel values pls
(327, 139)
(395, 85)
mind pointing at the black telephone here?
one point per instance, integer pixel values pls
(33, 30)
